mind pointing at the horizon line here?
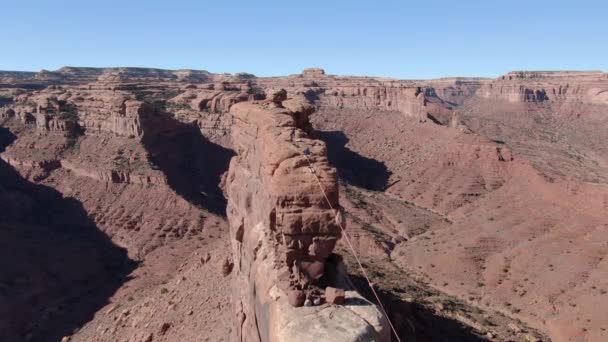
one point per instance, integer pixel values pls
(299, 73)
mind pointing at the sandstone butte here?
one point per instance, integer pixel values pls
(179, 205)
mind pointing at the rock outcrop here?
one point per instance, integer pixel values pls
(529, 86)
(283, 231)
(313, 72)
(412, 99)
(215, 98)
(106, 111)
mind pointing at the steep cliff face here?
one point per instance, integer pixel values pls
(66, 118)
(412, 99)
(95, 111)
(215, 98)
(114, 151)
(283, 231)
(525, 86)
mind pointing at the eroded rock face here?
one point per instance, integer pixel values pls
(313, 72)
(215, 98)
(282, 228)
(115, 145)
(537, 87)
(412, 99)
(101, 111)
(283, 194)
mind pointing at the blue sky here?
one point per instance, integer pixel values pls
(402, 39)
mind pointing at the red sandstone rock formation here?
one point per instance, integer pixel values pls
(365, 93)
(283, 194)
(283, 229)
(513, 178)
(526, 86)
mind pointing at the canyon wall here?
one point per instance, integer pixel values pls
(94, 111)
(112, 146)
(527, 86)
(412, 99)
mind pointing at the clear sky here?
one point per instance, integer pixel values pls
(402, 39)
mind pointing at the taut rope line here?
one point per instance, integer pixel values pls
(352, 249)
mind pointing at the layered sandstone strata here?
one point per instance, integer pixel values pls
(214, 98)
(528, 86)
(283, 231)
(94, 111)
(412, 99)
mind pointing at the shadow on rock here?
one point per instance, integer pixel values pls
(6, 138)
(56, 267)
(192, 164)
(414, 322)
(352, 167)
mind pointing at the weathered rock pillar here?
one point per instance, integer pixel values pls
(283, 231)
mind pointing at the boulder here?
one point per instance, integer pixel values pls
(334, 295)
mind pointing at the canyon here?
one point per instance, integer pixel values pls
(182, 205)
